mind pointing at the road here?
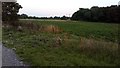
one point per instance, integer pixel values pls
(0, 54)
(9, 58)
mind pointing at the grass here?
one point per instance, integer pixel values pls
(76, 47)
(0, 32)
(86, 29)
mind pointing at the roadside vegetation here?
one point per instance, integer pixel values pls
(0, 33)
(63, 43)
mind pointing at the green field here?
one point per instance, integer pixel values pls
(68, 43)
(86, 29)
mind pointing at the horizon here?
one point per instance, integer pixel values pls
(45, 8)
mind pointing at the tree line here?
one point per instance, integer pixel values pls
(25, 16)
(98, 14)
(95, 13)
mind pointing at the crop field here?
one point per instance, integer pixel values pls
(64, 42)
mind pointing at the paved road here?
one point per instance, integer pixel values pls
(0, 54)
(9, 58)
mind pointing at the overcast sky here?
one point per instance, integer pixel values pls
(49, 8)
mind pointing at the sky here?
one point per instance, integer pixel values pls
(48, 8)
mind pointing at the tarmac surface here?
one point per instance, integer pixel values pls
(9, 58)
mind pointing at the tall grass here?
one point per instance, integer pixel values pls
(60, 43)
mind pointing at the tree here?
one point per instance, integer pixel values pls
(99, 14)
(56, 17)
(88, 15)
(95, 13)
(23, 16)
(64, 18)
(10, 10)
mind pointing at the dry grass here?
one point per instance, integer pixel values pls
(52, 29)
(91, 45)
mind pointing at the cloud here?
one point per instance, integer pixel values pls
(60, 7)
